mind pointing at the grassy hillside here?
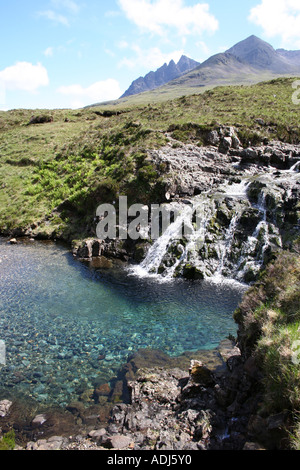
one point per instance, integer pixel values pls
(57, 167)
(269, 331)
(197, 81)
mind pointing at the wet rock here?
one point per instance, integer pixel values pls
(39, 420)
(119, 442)
(103, 390)
(5, 406)
(53, 443)
(87, 396)
(200, 374)
(76, 408)
(192, 272)
(98, 434)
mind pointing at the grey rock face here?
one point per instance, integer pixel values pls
(161, 76)
(244, 204)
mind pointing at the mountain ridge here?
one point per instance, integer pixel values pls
(250, 61)
(161, 76)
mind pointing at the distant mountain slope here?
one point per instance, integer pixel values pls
(163, 75)
(293, 56)
(247, 62)
(261, 55)
(220, 67)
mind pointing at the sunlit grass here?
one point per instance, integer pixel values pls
(82, 155)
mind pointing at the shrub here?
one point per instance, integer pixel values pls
(40, 119)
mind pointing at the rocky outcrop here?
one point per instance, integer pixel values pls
(92, 249)
(205, 400)
(191, 170)
(207, 406)
(244, 202)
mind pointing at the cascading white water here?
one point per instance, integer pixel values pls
(236, 190)
(172, 251)
(150, 265)
(183, 227)
(188, 233)
(225, 246)
(295, 168)
(254, 250)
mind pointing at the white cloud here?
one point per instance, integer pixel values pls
(157, 16)
(279, 18)
(97, 92)
(70, 5)
(69, 8)
(150, 59)
(123, 44)
(24, 76)
(49, 52)
(203, 46)
(54, 16)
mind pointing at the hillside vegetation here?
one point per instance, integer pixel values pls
(58, 165)
(269, 331)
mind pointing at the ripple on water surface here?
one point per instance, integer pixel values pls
(67, 327)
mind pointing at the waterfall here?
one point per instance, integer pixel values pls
(254, 250)
(209, 246)
(183, 234)
(295, 168)
(150, 265)
(225, 246)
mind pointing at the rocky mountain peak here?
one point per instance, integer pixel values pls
(161, 76)
(262, 55)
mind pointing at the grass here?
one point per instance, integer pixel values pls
(269, 321)
(7, 442)
(54, 174)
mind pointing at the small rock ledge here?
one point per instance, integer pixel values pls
(212, 404)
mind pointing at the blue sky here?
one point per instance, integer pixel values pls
(72, 53)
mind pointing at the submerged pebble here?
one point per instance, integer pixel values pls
(64, 326)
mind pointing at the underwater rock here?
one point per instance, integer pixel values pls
(5, 406)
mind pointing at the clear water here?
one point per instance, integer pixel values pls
(59, 318)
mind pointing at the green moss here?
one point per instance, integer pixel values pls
(7, 442)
